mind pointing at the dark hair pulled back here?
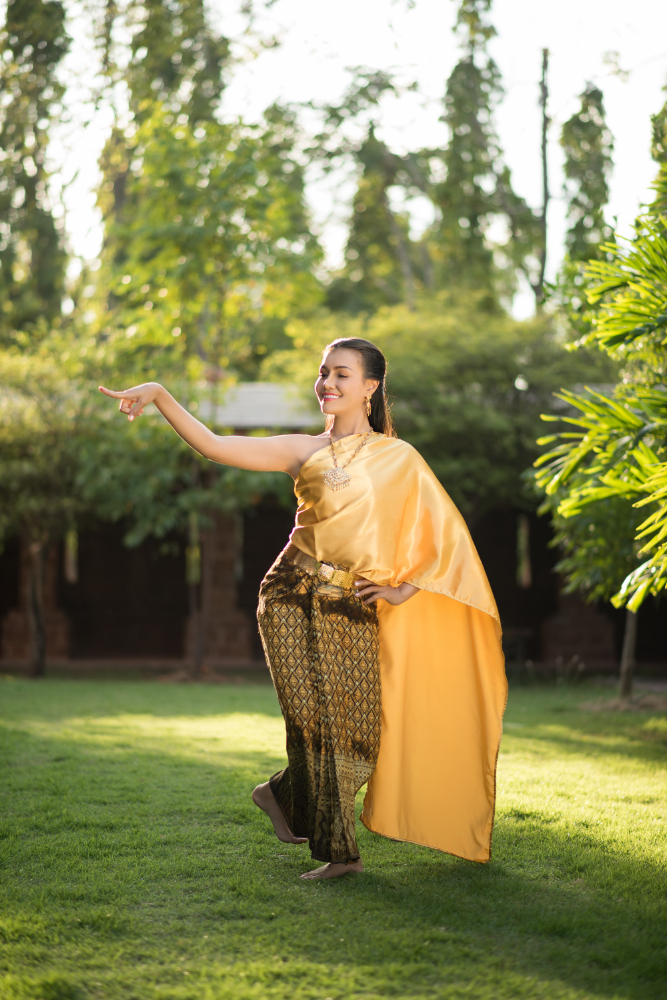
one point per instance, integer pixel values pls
(373, 366)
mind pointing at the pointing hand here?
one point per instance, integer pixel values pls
(133, 401)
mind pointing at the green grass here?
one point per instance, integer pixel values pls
(134, 865)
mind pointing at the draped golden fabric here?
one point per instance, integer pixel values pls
(441, 662)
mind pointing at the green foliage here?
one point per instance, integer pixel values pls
(598, 545)
(468, 387)
(588, 147)
(212, 249)
(147, 477)
(618, 453)
(40, 428)
(467, 182)
(133, 857)
(207, 250)
(32, 258)
(658, 140)
(176, 57)
(476, 187)
(174, 70)
(383, 265)
(380, 258)
(630, 287)
(463, 196)
(470, 17)
(67, 456)
(360, 100)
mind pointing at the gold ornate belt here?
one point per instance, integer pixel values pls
(327, 572)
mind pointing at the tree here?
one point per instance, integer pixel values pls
(382, 264)
(595, 479)
(222, 247)
(176, 63)
(468, 183)
(207, 248)
(588, 146)
(463, 196)
(176, 59)
(620, 446)
(40, 435)
(477, 186)
(66, 458)
(618, 452)
(379, 255)
(32, 256)
(202, 280)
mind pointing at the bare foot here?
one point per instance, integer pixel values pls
(334, 868)
(266, 800)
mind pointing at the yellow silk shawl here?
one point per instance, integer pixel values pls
(441, 663)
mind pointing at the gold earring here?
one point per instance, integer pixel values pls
(368, 406)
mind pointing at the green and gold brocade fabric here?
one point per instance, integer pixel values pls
(321, 643)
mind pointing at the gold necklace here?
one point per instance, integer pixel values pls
(337, 478)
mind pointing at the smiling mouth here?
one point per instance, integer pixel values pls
(329, 395)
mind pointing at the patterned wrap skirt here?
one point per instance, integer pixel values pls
(321, 644)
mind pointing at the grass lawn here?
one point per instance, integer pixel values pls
(134, 865)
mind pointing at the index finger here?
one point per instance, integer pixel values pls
(116, 395)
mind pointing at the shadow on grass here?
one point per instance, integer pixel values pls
(553, 717)
(57, 701)
(143, 852)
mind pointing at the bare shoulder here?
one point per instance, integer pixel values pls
(301, 447)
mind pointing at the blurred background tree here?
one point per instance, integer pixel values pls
(382, 264)
(466, 180)
(618, 453)
(32, 255)
(211, 272)
(41, 431)
(588, 146)
(470, 184)
(204, 277)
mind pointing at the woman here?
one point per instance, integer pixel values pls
(379, 627)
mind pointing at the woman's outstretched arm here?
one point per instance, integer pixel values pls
(282, 453)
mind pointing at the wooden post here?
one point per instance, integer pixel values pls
(36, 609)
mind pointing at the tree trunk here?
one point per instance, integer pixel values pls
(538, 287)
(36, 610)
(195, 618)
(628, 654)
(205, 593)
(193, 575)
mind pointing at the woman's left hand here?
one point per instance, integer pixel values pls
(392, 595)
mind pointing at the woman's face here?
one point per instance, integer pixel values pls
(341, 387)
